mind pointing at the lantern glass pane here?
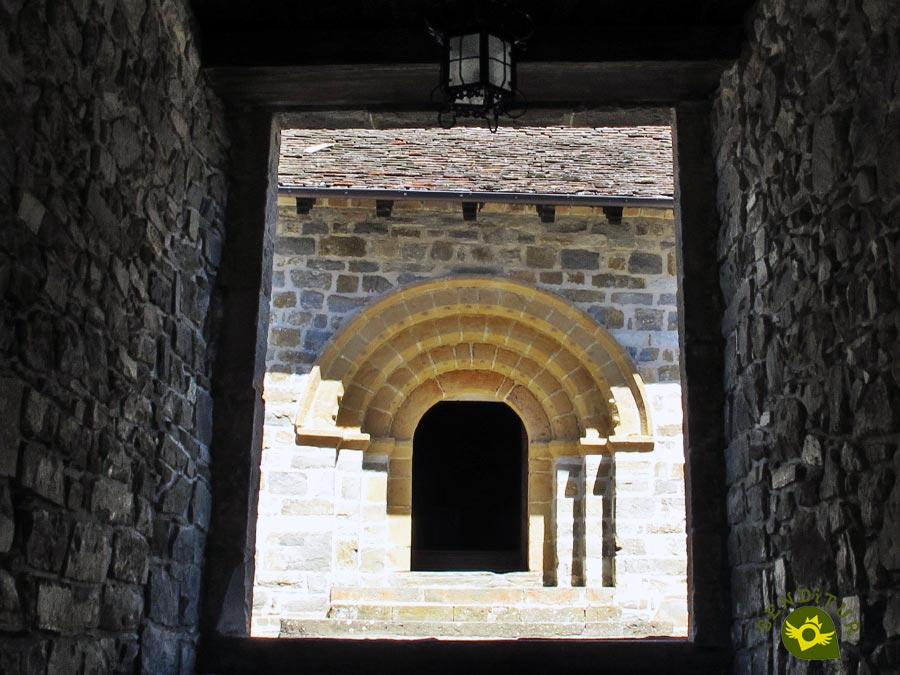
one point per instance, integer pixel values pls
(470, 46)
(499, 75)
(499, 63)
(455, 47)
(470, 71)
(496, 48)
(463, 63)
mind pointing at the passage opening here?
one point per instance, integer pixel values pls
(469, 489)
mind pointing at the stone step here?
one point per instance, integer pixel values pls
(479, 579)
(468, 613)
(478, 595)
(373, 628)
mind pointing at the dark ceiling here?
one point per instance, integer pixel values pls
(281, 33)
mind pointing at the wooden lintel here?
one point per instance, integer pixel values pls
(408, 86)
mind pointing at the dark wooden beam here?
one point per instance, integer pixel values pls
(409, 86)
(287, 47)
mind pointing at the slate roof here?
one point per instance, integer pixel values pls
(609, 161)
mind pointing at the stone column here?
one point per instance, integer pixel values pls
(348, 486)
(541, 555)
(399, 508)
(374, 532)
(594, 531)
(568, 508)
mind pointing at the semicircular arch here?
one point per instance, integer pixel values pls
(449, 319)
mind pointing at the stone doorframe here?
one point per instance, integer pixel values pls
(486, 339)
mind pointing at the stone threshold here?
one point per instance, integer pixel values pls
(473, 605)
(470, 630)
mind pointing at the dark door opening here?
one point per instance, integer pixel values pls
(469, 486)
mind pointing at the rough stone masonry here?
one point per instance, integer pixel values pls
(807, 133)
(111, 199)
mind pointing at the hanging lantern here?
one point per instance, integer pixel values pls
(478, 68)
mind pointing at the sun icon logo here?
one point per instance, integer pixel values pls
(809, 634)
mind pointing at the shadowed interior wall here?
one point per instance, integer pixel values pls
(807, 133)
(112, 192)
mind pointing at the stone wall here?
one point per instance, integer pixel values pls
(808, 138)
(335, 261)
(111, 201)
(341, 256)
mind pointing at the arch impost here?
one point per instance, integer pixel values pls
(595, 444)
(334, 437)
(563, 448)
(382, 446)
(630, 443)
(317, 409)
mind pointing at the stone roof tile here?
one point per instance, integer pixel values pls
(608, 161)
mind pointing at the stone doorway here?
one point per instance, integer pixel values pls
(337, 521)
(469, 484)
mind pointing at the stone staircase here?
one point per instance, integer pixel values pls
(473, 605)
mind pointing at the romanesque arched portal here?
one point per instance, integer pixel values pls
(487, 339)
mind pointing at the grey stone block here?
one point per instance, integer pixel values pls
(648, 319)
(164, 597)
(10, 606)
(287, 483)
(304, 279)
(131, 557)
(46, 540)
(376, 284)
(7, 518)
(312, 300)
(11, 393)
(609, 317)
(342, 246)
(90, 552)
(112, 501)
(121, 607)
(67, 608)
(201, 505)
(362, 266)
(284, 299)
(538, 257)
(347, 283)
(160, 651)
(175, 498)
(42, 471)
(580, 259)
(342, 304)
(617, 281)
(632, 298)
(295, 245)
(644, 263)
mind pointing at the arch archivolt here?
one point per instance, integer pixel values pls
(479, 323)
(476, 338)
